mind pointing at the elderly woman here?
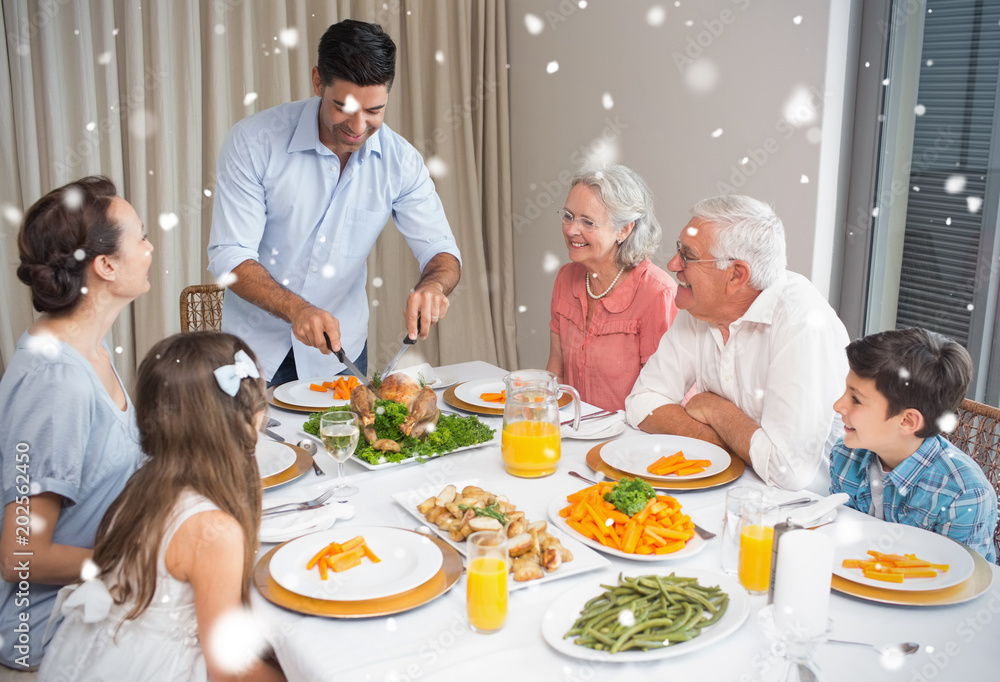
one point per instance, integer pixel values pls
(68, 434)
(611, 305)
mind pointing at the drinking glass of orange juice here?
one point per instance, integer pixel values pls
(530, 442)
(756, 540)
(486, 591)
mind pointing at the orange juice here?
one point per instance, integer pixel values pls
(530, 448)
(755, 557)
(487, 593)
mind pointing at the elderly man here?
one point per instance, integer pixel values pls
(761, 346)
(303, 191)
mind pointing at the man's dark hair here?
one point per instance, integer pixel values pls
(914, 368)
(358, 52)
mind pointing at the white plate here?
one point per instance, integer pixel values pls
(441, 379)
(583, 559)
(408, 560)
(633, 455)
(411, 460)
(299, 394)
(853, 540)
(470, 391)
(692, 547)
(564, 611)
(604, 434)
(273, 457)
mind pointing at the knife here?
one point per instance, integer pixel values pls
(273, 435)
(348, 364)
(407, 342)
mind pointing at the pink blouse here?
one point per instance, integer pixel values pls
(603, 362)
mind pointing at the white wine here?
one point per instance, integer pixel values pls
(340, 440)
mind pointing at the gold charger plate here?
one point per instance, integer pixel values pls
(303, 463)
(972, 587)
(443, 580)
(729, 474)
(271, 400)
(450, 398)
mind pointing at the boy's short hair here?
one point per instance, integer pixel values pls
(914, 368)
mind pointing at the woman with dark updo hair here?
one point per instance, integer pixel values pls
(68, 434)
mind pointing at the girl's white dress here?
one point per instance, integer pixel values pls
(161, 644)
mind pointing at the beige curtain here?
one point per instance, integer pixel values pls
(146, 92)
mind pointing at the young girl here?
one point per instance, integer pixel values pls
(176, 550)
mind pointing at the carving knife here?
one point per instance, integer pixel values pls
(342, 356)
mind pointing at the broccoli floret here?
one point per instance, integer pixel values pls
(630, 495)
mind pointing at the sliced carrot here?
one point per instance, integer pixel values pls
(370, 554)
(670, 548)
(317, 388)
(332, 547)
(346, 562)
(886, 577)
(912, 563)
(356, 541)
(913, 572)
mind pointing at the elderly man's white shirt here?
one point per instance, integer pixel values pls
(783, 366)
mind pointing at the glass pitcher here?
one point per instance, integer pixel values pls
(530, 441)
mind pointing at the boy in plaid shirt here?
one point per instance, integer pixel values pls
(902, 390)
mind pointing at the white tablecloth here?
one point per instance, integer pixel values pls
(434, 642)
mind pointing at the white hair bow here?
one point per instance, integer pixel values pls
(229, 376)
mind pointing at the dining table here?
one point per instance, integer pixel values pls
(435, 642)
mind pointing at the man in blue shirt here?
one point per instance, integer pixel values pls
(303, 191)
(893, 461)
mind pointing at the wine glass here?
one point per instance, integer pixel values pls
(339, 430)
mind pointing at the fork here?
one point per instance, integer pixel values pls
(299, 506)
(596, 415)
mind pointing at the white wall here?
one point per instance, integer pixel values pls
(742, 67)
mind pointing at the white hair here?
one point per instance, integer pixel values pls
(746, 229)
(627, 198)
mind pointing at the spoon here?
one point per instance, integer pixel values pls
(309, 446)
(892, 650)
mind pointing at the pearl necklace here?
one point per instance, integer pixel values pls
(606, 291)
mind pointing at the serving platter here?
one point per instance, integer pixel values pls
(563, 612)
(691, 547)
(584, 559)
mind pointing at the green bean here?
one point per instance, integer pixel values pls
(664, 610)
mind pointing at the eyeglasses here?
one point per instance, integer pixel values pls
(585, 224)
(687, 261)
